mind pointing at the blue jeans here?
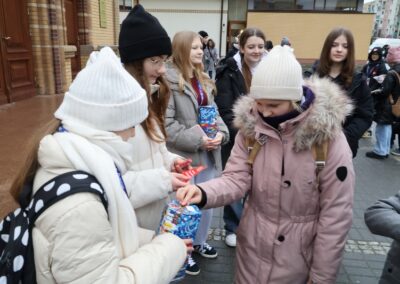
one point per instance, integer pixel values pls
(232, 215)
(383, 135)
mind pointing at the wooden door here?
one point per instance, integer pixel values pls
(16, 51)
(71, 21)
(3, 94)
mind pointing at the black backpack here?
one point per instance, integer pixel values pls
(17, 264)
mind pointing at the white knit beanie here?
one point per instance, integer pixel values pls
(278, 76)
(104, 95)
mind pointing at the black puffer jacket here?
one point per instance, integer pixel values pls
(372, 70)
(391, 83)
(361, 118)
(383, 110)
(230, 86)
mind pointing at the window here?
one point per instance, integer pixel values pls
(310, 5)
(125, 5)
(305, 4)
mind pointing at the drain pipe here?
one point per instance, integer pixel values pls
(220, 27)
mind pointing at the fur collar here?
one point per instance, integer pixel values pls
(323, 120)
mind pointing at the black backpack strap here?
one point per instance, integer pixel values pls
(61, 187)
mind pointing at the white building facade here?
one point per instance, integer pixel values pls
(178, 15)
(387, 18)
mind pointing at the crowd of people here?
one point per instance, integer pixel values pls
(280, 162)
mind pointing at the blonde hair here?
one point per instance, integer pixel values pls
(181, 47)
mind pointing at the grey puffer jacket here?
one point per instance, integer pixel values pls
(383, 218)
(182, 115)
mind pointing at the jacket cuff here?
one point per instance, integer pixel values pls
(203, 201)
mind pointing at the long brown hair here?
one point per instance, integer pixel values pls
(158, 101)
(30, 164)
(244, 36)
(181, 47)
(325, 62)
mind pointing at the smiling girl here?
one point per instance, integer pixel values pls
(191, 89)
(233, 80)
(337, 62)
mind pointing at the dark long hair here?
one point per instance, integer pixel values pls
(325, 62)
(158, 101)
(244, 36)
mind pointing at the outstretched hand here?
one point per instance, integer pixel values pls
(181, 165)
(189, 194)
(178, 180)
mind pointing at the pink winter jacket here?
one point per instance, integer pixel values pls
(290, 230)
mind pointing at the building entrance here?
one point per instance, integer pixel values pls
(16, 63)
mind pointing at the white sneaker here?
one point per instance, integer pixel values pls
(230, 240)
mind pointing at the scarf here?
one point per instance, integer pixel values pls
(99, 153)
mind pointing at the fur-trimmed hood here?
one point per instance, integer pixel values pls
(323, 119)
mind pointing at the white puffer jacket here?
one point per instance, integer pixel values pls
(148, 180)
(74, 243)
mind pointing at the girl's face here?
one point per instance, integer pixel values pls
(196, 53)
(339, 49)
(253, 50)
(374, 56)
(154, 67)
(271, 108)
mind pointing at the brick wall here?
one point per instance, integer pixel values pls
(48, 32)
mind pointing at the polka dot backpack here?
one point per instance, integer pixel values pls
(16, 251)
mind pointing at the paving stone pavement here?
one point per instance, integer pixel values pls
(364, 254)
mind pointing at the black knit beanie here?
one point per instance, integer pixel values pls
(142, 36)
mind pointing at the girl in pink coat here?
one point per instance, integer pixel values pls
(295, 221)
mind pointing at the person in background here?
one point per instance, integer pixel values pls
(144, 46)
(383, 110)
(373, 71)
(394, 60)
(337, 62)
(383, 218)
(295, 221)
(232, 51)
(233, 81)
(385, 50)
(77, 239)
(204, 38)
(395, 131)
(268, 45)
(211, 58)
(192, 89)
(285, 41)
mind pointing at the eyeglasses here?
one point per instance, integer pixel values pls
(158, 61)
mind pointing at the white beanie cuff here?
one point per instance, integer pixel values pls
(110, 117)
(279, 93)
(104, 95)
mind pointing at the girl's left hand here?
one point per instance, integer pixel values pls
(181, 165)
(217, 140)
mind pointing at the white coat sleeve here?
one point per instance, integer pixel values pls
(168, 157)
(147, 186)
(83, 251)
